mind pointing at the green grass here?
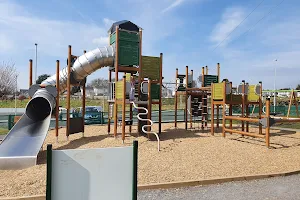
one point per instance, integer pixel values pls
(288, 125)
(168, 104)
(3, 131)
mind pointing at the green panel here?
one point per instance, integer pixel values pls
(128, 48)
(112, 38)
(119, 89)
(209, 79)
(128, 53)
(155, 93)
(151, 67)
(130, 37)
(218, 91)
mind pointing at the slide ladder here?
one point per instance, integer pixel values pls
(147, 125)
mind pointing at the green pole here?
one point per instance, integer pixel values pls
(135, 168)
(49, 172)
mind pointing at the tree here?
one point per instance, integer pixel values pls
(8, 77)
(99, 83)
(285, 89)
(41, 78)
(298, 87)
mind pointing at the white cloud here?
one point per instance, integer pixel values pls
(229, 20)
(252, 57)
(101, 41)
(52, 36)
(108, 22)
(173, 5)
(6, 44)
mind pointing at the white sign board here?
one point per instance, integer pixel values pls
(92, 174)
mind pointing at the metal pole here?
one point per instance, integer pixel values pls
(35, 62)
(275, 88)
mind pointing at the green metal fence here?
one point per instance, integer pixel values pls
(7, 121)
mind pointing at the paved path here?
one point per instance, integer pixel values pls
(287, 188)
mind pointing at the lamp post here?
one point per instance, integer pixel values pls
(275, 87)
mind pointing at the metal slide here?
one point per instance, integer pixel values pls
(151, 123)
(20, 147)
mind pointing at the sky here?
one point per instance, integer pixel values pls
(192, 33)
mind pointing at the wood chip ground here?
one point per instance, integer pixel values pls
(184, 155)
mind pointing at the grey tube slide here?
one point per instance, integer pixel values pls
(20, 147)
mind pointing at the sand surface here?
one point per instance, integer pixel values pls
(184, 155)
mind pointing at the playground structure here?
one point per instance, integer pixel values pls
(122, 55)
(196, 99)
(223, 94)
(142, 80)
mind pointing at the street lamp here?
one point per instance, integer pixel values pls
(275, 87)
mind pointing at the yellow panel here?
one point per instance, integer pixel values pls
(151, 67)
(119, 89)
(128, 75)
(252, 96)
(218, 91)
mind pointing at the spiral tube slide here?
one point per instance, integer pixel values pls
(149, 120)
(84, 66)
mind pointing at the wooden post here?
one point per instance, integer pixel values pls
(186, 96)
(69, 91)
(57, 100)
(149, 105)
(247, 110)
(140, 72)
(212, 116)
(218, 106)
(116, 79)
(124, 108)
(83, 104)
(191, 116)
(202, 77)
(218, 72)
(260, 107)
(268, 122)
(230, 109)
(243, 103)
(30, 74)
(130, 116)
(176, 99)
(108, 122)
(160, 90)
(296, 103)
(290, 103)
(206, 70)
(224, 109)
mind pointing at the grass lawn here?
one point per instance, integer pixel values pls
(3, 131)
(168, 104)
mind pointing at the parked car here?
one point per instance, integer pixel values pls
(93, 114)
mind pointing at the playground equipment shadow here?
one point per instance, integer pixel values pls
(275, 143)
(73, 144)
(184, 156)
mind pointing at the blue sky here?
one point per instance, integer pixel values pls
(185, 31)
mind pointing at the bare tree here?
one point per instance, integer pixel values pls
(99, 83)
(8, 76)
